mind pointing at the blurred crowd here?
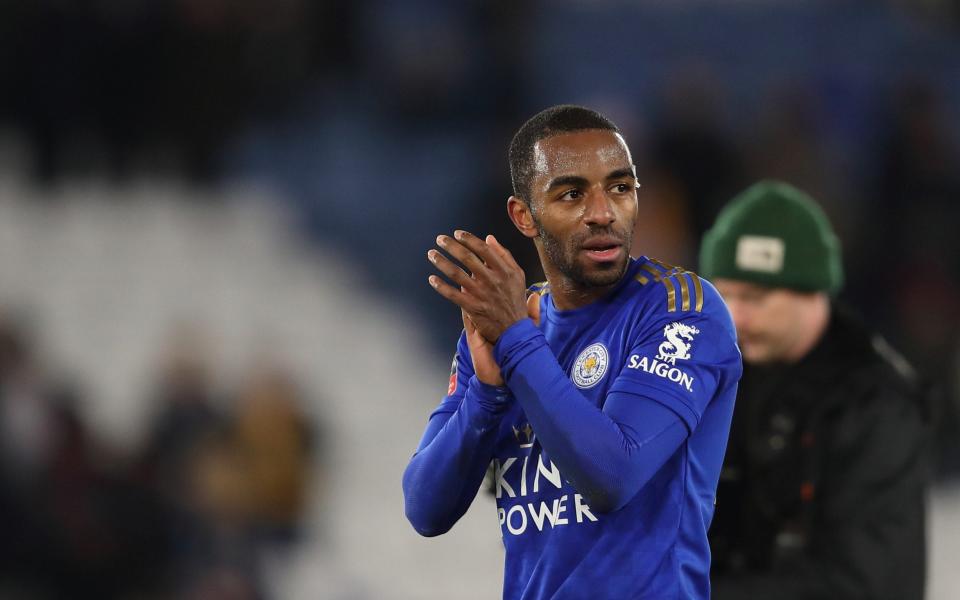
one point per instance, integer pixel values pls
(117, 87)
(217, 486)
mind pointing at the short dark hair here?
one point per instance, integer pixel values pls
(565, 118)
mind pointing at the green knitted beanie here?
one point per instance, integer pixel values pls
(775, 235)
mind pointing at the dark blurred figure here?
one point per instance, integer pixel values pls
(789, 143)
(187, 412)
(245, 492)
(822, 492)
(235, 474)
(217, 556)
(937, 12)
(119, 87)
(73, 525)
(918, 200)
(693, 166)
(187, 461)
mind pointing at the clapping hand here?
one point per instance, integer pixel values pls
(491, 294)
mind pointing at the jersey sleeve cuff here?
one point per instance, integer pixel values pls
(491, 400)
(519, 340)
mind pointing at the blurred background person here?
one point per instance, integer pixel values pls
(822, 492)
(187, 412)
(217, 554)
(271, 170)
(277, 443)
(73, 523)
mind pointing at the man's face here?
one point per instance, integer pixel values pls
(584, 203)
(768, 320)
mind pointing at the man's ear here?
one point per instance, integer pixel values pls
(519, 212)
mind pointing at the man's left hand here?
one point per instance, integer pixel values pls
(492, 284)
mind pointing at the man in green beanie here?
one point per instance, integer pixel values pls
(822, 489)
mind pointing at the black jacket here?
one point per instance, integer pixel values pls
(822, 489)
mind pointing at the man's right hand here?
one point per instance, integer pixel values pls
(533, 307)
(481, 351)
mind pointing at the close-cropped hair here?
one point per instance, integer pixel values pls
(565, 118)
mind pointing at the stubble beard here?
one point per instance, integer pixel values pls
(564, 258)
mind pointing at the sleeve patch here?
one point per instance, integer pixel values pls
(452, 385)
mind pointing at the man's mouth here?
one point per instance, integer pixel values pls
(603, 249)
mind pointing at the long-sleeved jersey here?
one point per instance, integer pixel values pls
(606, 441)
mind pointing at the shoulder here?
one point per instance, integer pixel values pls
(682, 314)
(866, 357)
(876, 385)
(670, 292)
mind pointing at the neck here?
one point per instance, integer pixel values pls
(815, 320)
(569, 294)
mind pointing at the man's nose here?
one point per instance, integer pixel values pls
(598, 209)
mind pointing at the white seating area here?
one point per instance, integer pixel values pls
(105, 273)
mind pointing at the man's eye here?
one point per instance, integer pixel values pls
(571, 195)
(622, 188)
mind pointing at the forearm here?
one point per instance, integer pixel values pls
(607, 457)
(443, 476)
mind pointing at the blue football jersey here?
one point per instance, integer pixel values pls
(665, 335)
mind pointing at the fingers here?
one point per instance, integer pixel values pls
(486, 281)
(499, 250)
(451, 293)
(533, 307)
(468, 324)
(465, 251)
(452, 271)
(490, 256)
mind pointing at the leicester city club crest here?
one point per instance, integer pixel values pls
(590, 366)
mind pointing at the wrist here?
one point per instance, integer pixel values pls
(519, 340)
(503, 325)
(489, 389)
(493, 399)
(494, 383)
